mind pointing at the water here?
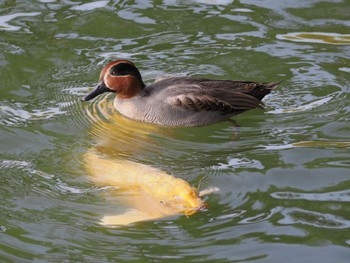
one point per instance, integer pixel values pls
(283, 174)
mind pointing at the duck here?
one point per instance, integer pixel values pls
(177, 101)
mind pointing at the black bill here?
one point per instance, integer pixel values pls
(99, 89)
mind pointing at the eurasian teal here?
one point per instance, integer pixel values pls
(177, 101)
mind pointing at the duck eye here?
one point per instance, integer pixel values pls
(114, 72)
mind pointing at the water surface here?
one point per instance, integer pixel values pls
(283, 174)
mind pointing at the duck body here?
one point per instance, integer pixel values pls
(178, 101)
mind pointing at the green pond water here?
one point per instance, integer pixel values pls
(283, 174)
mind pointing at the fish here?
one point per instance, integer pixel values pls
(149, 192)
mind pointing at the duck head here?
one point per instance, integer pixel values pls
(120, 76)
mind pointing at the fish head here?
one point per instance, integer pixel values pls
(186, 201)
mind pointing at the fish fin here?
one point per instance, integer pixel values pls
(129, 217)
(208, 191)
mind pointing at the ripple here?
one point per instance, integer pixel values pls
(311, 218)
(310, 144)
(322, 144)
(261, 217)
(309, 106)
(49, 184)
(23, 165)
(228, 216)
(131, 13)
(316, 37)
(90, 6)
(78, 107)
(10, 48)
(234, 163)
(215, 2)
(338, 196)
(4, 20)
(345, 69)
(16, 114)
(116, 135)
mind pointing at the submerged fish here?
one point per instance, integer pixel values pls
(151, 193)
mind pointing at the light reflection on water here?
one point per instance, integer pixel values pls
(312, 37)
(282, 173)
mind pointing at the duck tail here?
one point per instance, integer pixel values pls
(272, 85)
(262, 89)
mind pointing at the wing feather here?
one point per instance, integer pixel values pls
(199, 102)
(215, 95)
